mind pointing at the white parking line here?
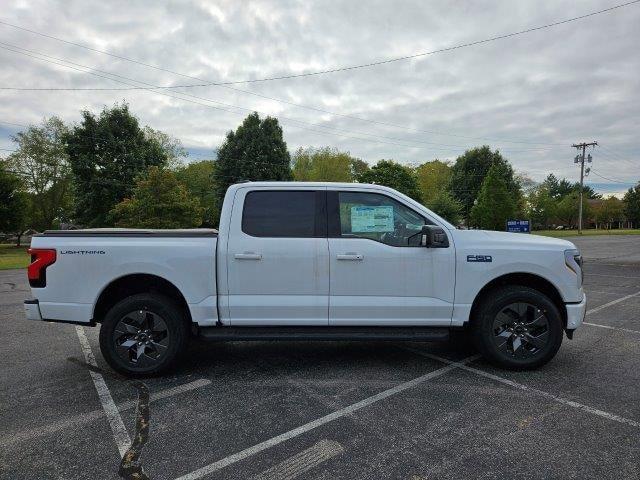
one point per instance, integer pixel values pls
(302, 462)
(520, 386)
(247, 452)
(607, 275)
(601, 292)
(120, 433)
(613, 302)
(30, 433)
(615, 264)
(612, 328)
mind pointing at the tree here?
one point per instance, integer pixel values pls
(255, 151)
(550, 184)
(358, 168)
(541, 206)
(197, 177)
(394, 175)
(433, 179)
(527, 184)
(587, 191)
(446, 206)
(13, 204)
(43, 165)
(567, 209)
(107, 153)
(608, 212)
(171, 146)
(322, 165)
(159, 201)
(496, 203)
(561, 188)
(469, 172)
(557, 188)
(632, 205)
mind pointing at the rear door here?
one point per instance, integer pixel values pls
(277, 257)
(380, 275)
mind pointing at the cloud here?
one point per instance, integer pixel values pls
(546, 89)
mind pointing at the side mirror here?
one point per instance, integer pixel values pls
(433, 236)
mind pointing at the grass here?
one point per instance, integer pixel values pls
(590, 232)
(13, 257)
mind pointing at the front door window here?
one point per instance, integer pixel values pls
(380, 218)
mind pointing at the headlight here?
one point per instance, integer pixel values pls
(573, 261)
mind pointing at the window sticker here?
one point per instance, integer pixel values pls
(372, 219)
(414, 226)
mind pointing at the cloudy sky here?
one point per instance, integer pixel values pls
(530, 96)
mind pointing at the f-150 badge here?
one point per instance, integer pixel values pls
(479, 258)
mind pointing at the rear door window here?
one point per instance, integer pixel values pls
(295, 214)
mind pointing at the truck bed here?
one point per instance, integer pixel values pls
(131, 232)
(88, 262)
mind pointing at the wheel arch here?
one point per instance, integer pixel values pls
(524, 279)
(135, 283)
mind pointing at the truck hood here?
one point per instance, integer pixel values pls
(523, 240)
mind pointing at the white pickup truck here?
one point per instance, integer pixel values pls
(313, 261)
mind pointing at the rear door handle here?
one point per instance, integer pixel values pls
(247, 256)
(350, 256)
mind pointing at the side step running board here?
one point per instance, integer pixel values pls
(418, 334)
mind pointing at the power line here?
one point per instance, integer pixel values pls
(363, 65)
(610, 179)
(14, 124)
(610, 158)
(286, 102)
(613, 151)
(150, 88)
(618, 156)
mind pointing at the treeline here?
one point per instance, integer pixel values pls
(108, 170)
(556, 202)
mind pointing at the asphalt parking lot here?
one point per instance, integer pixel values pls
(333, 410)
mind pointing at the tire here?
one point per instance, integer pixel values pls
(517, 328)
(143, 334)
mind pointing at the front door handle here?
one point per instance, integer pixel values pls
(247, 256)
(350, 256)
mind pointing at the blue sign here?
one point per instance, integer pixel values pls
(518, 226)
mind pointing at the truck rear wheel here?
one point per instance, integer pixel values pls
(143, 334)
(517, 327)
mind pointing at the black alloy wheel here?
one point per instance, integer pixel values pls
(143, 334)
(517, 327)
(141, 337)
(521, 330)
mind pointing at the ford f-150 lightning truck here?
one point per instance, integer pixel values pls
(309, 261)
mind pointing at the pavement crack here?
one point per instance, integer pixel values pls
(130, 467)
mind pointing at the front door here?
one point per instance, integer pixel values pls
(277, 258)
(380, 275)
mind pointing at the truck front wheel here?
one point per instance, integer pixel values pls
(143, 334)
(517, 327)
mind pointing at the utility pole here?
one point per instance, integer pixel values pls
(580, 159)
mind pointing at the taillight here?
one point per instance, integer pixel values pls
(41, 258)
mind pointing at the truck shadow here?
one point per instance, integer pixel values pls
(339, 357)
